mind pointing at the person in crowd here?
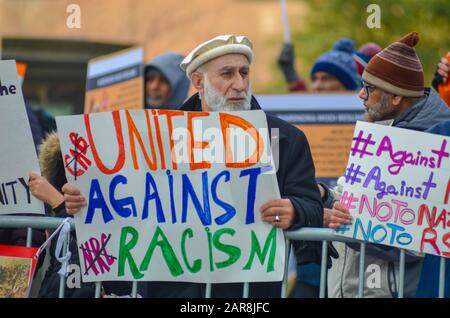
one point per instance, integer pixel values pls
(166, 85)
(332, 71)
(219, 69)
(364, 54)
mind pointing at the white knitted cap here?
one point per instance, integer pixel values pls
(218, 46)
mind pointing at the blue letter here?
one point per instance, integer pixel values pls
(230, 210)
(120, 205)
(172, 200)
(149, 181)
(97, 202)
(394, 228)
(205, 212)
(374, 174)
(358, 224)
(253, 173)
(375, 229)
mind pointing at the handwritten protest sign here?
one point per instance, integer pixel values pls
(173, 196)
(18, 154)
(328, 121)
(397, 186)
(115, 81)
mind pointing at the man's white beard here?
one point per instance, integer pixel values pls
(217, 102)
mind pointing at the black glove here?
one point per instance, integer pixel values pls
(328, 199)
(286, 62)
(438, 79)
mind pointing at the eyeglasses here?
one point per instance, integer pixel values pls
(368, 88)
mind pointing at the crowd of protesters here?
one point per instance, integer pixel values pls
(390, 83)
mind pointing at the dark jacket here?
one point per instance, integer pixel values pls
(429, 111)
(296, 181)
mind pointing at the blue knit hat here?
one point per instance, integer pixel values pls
(339, 63)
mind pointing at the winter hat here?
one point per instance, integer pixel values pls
(364, 54)
(339, 63)
(218, 46)
(370, 49)
(397, 68)
(361, 61)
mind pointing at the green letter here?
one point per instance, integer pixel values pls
(197, 263)
(271, 242)
(209, 236)
(167, 252)
(124, 252)
(233, 251)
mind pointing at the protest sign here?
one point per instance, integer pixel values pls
(397, 186)
(115, 81)
(173, 196)
(17, 266)
(18, 154)
(328, 121)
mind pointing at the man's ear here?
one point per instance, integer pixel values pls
(198, 81)
(396, 100)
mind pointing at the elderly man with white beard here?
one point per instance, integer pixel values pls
(219, 69)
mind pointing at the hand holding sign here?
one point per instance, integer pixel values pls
(337, 216)
(279, 213)
(73, 198)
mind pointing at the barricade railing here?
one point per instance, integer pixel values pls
(304, 234)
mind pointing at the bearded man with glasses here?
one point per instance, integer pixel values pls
(393, 94)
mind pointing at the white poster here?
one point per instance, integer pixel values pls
(173, 196)
(397, 186)
(17, 153)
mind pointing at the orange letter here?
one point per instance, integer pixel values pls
(196, 144)
(134, 134)
(169, 114)
(158, 137)
(120, 157)
(225, 121)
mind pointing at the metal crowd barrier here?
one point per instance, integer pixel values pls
(304, 234)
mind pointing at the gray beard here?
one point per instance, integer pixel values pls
(379, 112)
(217, 102)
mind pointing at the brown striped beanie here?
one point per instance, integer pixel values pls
(397, 68)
